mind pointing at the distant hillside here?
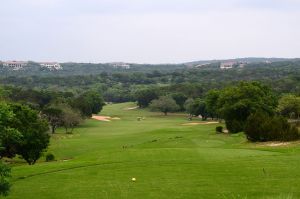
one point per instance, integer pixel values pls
(247, 59)
(30, 68)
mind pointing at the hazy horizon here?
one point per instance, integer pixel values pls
(144, 31)
(158, 63)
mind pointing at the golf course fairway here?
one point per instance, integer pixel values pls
(157, 156)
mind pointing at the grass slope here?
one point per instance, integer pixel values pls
(169, 161)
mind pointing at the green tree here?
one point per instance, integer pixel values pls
(236, 103)
(71, 119)
(144, 97)
(199, 108)
(88, 103)
(180, 100)
(35, 138)
(196, 107)
(289, 106)
(54, 116)
(164, 104)
(188, 106)
(9, 137)
(4, 179)
(211, 100)
(263, 127)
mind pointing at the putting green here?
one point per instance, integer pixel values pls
(168, 160)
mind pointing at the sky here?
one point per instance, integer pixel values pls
(148, 31)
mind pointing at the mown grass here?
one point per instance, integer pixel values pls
(167, 159)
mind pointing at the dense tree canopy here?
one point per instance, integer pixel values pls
(211, 100)
(23, 132)
(35, 138)
(144, 97)
(236, 103)
(88, 103)
(180, 100)
(196, 107)
(4, 179)
(289, 106)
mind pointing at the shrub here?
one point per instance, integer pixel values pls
(50, 157)
(4, 179)
(235, 126)
(262, 127)
(219, 129)
(255, 127)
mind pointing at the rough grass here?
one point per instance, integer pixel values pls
(167, 159)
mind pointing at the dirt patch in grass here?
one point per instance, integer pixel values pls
(198, 123)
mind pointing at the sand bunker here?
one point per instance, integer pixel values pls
(102, 118)
(199, 123)
(131, 108)
(277, 144)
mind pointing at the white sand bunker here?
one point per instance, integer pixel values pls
(132, 108)
(277, 144)
(104, 118)
(198, 123)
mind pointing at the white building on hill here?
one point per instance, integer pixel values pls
(120, 65)
(227, 65)
(230, 65)
(14, 65)
(51, 65)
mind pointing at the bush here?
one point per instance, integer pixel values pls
(262, 127)
(255, 127)
(4, 179)
(219, 129)
(50, 157)
(235, 126)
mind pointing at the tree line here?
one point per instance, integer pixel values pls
(249, 107)
(121, 85)
(28, 117)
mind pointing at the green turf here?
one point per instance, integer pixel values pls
(167, 159)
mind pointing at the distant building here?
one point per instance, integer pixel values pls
(230, 65)
(242, 64)
(268, 62)
(14, 65)
(51, 65)
(201, 65)
(227, 65)
(121, 65)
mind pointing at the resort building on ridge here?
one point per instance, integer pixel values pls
(230, 65)
(51, 65)
(15, 65)
(227, 65)
(120, 65)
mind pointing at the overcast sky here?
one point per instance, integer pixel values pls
(148, 31)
